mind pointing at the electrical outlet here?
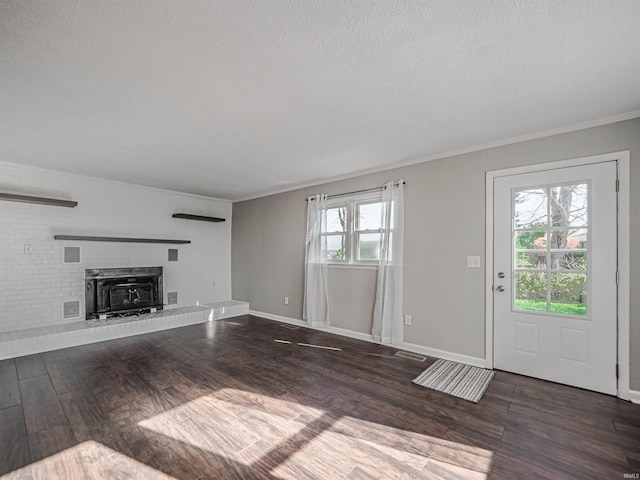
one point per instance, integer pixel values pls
(286, 300)
(407, 319)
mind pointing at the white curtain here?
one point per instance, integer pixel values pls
(316, 302)
(387, 312)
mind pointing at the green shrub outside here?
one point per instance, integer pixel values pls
(565, 287)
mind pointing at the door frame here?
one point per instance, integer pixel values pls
(622, 160)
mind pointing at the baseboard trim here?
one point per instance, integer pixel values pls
(301, 323)
(444, 354)
(279, 318)
(634, 396)
(410, 347)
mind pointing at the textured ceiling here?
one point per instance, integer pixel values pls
(238, 98)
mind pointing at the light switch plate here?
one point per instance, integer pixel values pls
(473, 262)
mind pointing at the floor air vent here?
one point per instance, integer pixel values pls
(290, 327)
(411, 356)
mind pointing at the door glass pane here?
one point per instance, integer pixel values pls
(550, 249)
(531, 260)
(568, 249)
(530, 208)
(531, 240)
(530, 291)
(569, 293)
(569, 205)
(569, 260)
(568, 238)
(530, 249)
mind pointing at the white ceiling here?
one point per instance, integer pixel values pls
(239, 98)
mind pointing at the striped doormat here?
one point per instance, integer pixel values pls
(457, 379)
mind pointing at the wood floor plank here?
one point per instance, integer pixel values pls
(30, 366)
(590, 441)
(633, 459)
(83, 412)
(10, 391)
(64, 376)
(507, 459)
(51, 441)
(14, 448)
(628, 430)
(42, 410)
(7, 361)
(555, 409)
(567, 459)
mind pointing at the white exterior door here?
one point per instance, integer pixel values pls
(554, 275)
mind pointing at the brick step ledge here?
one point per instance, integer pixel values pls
(54, 337)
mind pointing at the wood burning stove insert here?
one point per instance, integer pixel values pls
(112, 292)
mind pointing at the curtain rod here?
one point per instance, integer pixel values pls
(374, 189)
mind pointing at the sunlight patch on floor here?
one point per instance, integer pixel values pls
(384, 452)
(232, 423)
(88, 460)
(290, 440)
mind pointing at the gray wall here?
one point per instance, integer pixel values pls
(444, 222)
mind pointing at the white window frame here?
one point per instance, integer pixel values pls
(351, 234)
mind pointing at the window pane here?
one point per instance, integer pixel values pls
(569, 293)
(336, 219)
(536, 260)
(535, 244)
(530, 291)
(569, 260)
(334, 249)
(568, 238)
(369, 246)
(369, 216)
(569, 205)
(530, 208)
(531, 240)
(568, 249)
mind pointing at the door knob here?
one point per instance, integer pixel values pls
(500, 288)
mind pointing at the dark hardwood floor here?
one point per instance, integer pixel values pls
(250, 398)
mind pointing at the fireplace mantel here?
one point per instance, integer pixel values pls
(118, 239)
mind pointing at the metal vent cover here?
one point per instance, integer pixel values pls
(290, 327)
(71, 255)
(172, 298)
(411, 356)
(71, 309)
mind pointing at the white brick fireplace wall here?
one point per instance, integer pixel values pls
(34, 281)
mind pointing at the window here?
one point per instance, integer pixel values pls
(551, 249)
(351, 231)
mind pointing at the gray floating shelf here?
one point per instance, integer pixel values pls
(202, 218)
(118, 239)
(12, 197)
